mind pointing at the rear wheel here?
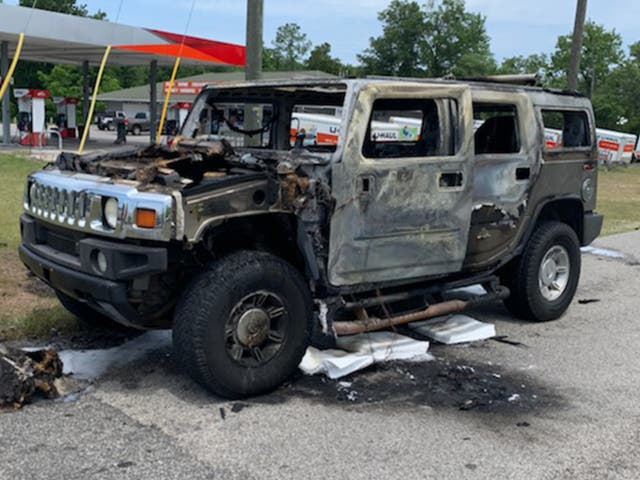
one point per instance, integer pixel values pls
(136, 130)
(543, 281)
(111, 127)
(242, 327)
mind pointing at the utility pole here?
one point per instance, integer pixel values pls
(253, 67)
(576, 45)
(4, 67)
(255, 16)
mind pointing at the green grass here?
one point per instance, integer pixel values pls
(23, 313)
(13, 173)
(619, 198)
(39, 323)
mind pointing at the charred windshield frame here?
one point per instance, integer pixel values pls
(278, 104)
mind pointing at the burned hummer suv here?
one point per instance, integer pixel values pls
(288, 211)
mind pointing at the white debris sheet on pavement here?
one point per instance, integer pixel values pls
(91, 364)
(360, 351)
(603, 252)
(454, 329)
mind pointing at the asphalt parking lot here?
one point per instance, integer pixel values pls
(575, 413)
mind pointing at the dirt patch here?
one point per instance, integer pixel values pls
(21, 293)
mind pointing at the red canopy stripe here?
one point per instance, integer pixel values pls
(228, 53)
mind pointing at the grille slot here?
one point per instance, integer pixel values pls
(60, 242)
(59, 204)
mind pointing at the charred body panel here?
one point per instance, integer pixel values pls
(399, 218)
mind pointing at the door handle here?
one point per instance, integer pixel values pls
(365, 184)
(523, 173)
(451, 180)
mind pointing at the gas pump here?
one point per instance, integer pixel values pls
(66, 116)
(31, 116)
(179, 112)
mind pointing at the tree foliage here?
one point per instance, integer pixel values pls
(289, 48)
(601, 52)
(617, 99)
(320, 59)
(435, 39)
(70, 7)
(536, 63)
(456, 41)
(397, 51)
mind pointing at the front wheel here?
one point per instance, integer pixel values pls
(544, 280)
(242, 327)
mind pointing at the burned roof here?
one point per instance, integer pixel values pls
(493, 82)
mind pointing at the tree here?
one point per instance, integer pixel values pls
(321, 59)
(601, 53)
(536, 63)
(617, 99)
(397, 51)
(70, 7)
(290, 48)
(66, 81)
(456, 41)
(437, 39)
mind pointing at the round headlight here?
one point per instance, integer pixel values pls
(111, 213)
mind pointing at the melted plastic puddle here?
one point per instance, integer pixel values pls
(92, 364)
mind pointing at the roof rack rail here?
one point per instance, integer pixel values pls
(526, 79)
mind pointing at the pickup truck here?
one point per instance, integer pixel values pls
(139, 123)
(107, 120)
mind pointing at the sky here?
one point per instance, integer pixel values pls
(516, 27)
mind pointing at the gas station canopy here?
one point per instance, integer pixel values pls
(59, 38)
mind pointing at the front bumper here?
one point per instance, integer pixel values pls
(76, 273)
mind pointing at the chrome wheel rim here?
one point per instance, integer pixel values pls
(553, 276)
(255, 331)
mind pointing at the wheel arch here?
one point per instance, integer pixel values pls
(275, 233)
(568, 210)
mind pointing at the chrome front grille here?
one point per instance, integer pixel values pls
(60, 205)
(75, 201)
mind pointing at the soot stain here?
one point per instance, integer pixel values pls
(439, 384)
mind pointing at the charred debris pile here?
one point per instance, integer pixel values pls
(24, 375)
(183, 165)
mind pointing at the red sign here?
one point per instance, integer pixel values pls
(183, 105)
(34, 93)
(608, 145)
(629, 147)
(184, 88)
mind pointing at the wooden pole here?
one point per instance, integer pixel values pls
(576, 45)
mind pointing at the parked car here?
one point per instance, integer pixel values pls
(139, 123)
(107, 120)
(248, 251)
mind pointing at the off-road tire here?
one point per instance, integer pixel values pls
(89, 316)
(522, 276)
(200, 332)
